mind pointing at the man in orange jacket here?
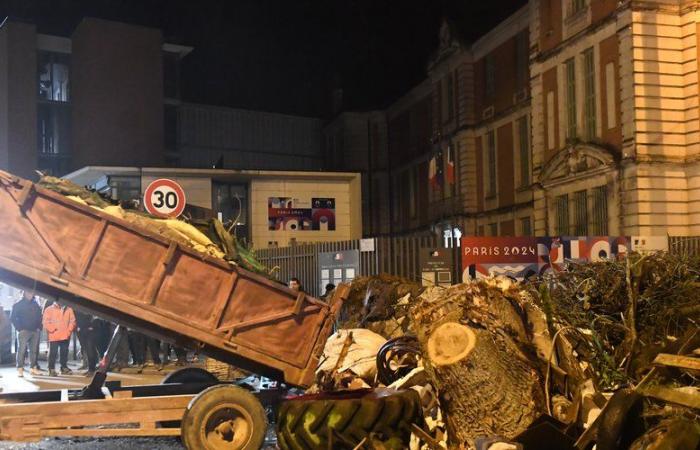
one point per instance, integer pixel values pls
(59, 322)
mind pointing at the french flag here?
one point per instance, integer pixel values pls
(450, 167)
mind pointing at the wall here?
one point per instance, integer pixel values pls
(347, 207)
(117, 95)
(247, 139)
(18, 80)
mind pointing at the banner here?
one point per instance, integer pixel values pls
(523, 257)
(292, 214)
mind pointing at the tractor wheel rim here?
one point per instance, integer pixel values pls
(227, 426)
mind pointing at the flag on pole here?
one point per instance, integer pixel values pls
(432, 173)
(450, 166)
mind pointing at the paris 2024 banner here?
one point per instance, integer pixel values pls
(523, 257)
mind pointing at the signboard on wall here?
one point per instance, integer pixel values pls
(293, 214)
(338, 267)
(522, 257)
(436, 266)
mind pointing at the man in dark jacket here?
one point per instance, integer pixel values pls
(26, 318)
(88, 340)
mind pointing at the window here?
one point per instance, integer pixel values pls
(525, 226)
(125, 188)
(610, 94)
(562, 216)
(231, 200)
(53, 73)
(412, 174)
(521, 60)
(53, 138)
(550, 120)
(589, 93)
(493, 229)
(491, 162)
(489, 78)
(571, 98)
(599, 211)
(524, 141)
(580, 204)
(449, 100)
(577, 6)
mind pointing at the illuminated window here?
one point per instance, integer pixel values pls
(53, 76)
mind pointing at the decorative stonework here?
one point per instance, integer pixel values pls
(575, 161)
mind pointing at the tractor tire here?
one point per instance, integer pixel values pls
(224, 417)
(190, 375)
(309, 422)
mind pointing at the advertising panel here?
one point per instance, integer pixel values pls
(293, 214)
(523, 257)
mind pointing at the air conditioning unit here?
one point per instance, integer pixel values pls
(487, 113)
(520, 96)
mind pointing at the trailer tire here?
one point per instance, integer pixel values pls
(190, 375)
(224, 417)
(306, 422)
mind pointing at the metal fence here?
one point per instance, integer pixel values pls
(397, 256)
(684, 245)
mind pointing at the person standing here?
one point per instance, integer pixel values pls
(87, 338)
(59, 322)
(26, 318)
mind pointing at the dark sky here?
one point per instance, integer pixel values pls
(287, 55)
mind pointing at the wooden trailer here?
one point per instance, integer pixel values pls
(143, 281)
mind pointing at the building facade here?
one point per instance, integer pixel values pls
(571, 117)
(262, 208)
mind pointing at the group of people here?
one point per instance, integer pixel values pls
(60, 322)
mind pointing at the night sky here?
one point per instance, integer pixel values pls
(287, 55)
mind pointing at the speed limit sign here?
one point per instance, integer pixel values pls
(164, 198)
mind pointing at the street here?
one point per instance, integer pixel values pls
(10, 382)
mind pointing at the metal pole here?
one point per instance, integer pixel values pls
(94, 389)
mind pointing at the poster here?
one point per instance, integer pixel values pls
(293, 214)
(338, 267)
(436, 266)
(522, 257)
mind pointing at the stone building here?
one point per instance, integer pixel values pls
(571, 117)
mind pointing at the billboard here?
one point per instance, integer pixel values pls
(523, 257)
(293, 214)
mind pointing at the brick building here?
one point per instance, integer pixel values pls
(571, 117)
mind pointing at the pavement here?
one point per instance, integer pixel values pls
(11, 382)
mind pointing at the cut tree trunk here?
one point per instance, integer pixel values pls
(488, 384)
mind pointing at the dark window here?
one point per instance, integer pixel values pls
(231, 201)
(54, 76)
(450, 97)
(493, 229)
(491, 161)
(125, 188)
(489, 77)
(599, 211)
(522, 60)
(525, 226)
(562, 216)
(589, 94)
(580, 203)
(524, 138)
(53, 138)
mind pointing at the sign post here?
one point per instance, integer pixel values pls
(164, 198)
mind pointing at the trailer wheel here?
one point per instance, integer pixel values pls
(190, 375)
(186, 375)
(308, 422)
(224, 417)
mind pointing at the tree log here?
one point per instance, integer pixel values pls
(488, 383)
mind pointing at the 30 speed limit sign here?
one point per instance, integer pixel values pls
(164, 198)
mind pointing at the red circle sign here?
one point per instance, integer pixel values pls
(164, 198)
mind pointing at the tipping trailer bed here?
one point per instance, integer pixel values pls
(144, 281)
(147, 282)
